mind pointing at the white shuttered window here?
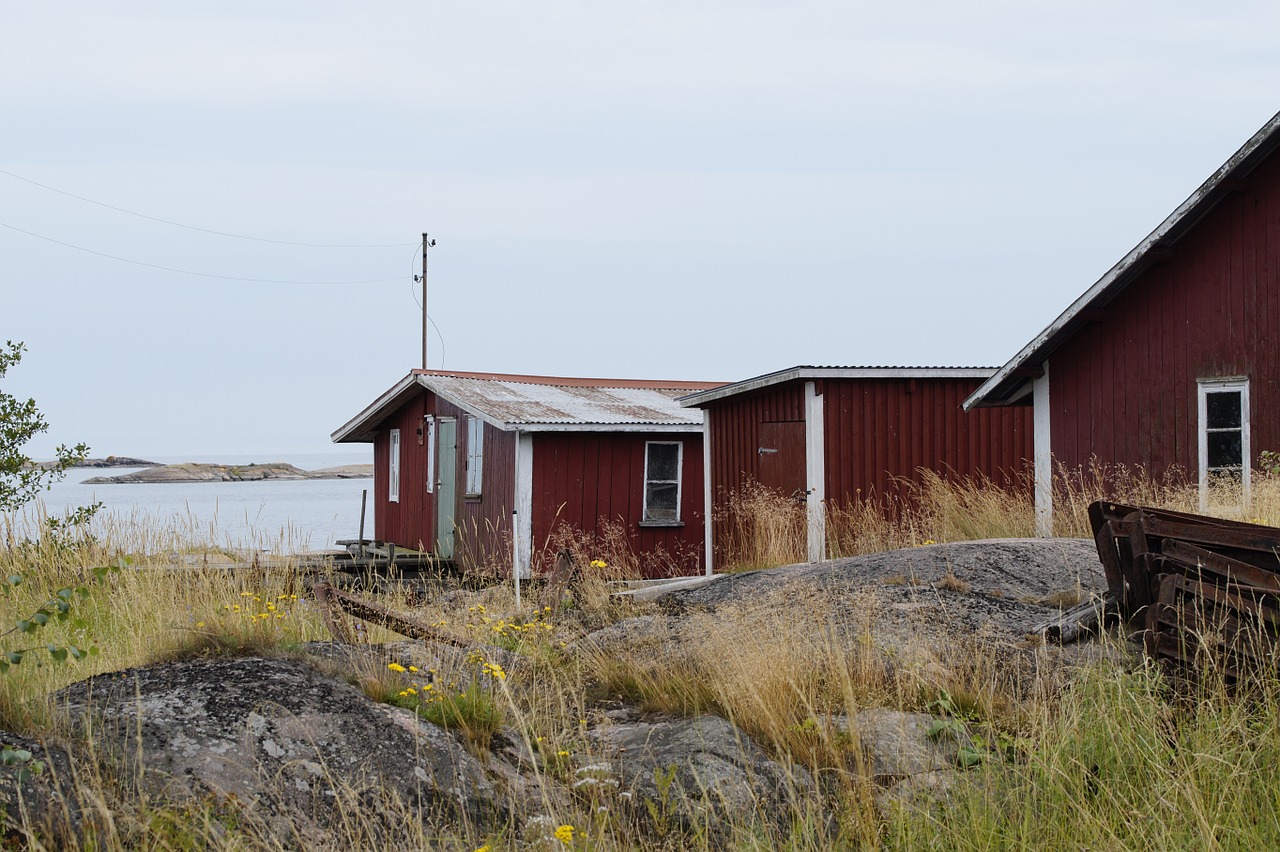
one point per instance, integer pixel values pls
(393, 487)
(475, 456)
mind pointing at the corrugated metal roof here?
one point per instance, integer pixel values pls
(703, 397)
(509, 404)
(540, 403)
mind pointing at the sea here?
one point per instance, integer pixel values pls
(295, 516)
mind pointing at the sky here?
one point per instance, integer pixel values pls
(210, 212)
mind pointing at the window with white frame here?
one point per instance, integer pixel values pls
(1224, 441)
(429, 426)
(393, 482)
(475, 456)
(662, 466)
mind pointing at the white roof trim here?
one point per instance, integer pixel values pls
(696, 400)
(372, 410)
(1174, 219)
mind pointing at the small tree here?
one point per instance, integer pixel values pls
(21, 478)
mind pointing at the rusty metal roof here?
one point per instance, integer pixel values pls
(541, 403)
(509, 404)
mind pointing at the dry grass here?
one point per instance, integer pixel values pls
(1110, 760)
(764, 528)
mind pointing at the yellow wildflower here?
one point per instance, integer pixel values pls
(565, 834)
(396, 667)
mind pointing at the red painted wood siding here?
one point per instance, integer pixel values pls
(1124, 389)
(585, 479)
(483, 523)
(875, 430)
(881, 430)
(408, 522)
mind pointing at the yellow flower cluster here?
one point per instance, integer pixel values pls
(256, 608)
(565, 834)
(494, 671)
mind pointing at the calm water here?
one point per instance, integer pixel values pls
(308, 514)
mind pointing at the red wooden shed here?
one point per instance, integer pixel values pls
(1170, 358)
(465, 461)
(835, 433)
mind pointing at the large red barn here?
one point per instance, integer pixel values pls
(464, 462)
(1170, 358)
(833, 434)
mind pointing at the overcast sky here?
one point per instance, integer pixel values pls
(708, 190)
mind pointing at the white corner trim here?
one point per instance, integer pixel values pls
(1042, 417)
(706, 490)
(815, 472)
(524, 504)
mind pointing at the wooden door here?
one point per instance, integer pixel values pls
(781, 452)
(446, 485)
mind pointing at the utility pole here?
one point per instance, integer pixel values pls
(427, 242)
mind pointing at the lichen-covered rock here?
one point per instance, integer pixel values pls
(695, 774)
(894, 745)
(39, 789)
(282, 739)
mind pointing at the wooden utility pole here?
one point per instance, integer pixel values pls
(426, 243)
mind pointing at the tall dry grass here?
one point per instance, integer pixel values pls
(765, 528)
(1112, 759)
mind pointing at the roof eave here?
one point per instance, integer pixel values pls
(1002, 387)
(702, 398)
(352, 432)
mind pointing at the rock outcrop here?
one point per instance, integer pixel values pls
(282, 738)
(193, 472)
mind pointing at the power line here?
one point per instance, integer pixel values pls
(192, 227)
(187, 271)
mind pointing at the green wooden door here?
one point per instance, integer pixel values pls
(446, 485)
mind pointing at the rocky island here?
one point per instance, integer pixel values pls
(194, 472)
(109, 461)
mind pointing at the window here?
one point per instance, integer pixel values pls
(662, 465)
(475, 456)
(393, 487)
(1224, 441)
(429, 424)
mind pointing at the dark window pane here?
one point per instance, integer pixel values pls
(1224, 449)
(664, 461)
(1222, 409)
(660, 502)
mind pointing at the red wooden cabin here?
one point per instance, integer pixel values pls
(832, 434)
(1171, 357)
(464, 462)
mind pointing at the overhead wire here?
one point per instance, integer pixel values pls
(194, 227)
(190, 271)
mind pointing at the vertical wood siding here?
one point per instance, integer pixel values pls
(588, 479)
(876, 431)
(882, 430)
(1123, 388)
(408, 522)
(483, 536)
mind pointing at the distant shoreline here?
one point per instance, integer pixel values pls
(196, 472)
(109, 461)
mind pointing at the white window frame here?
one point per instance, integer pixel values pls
(475, 457)
(393, 483)
(1204, 387)
(429, 425)
(679, 482)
